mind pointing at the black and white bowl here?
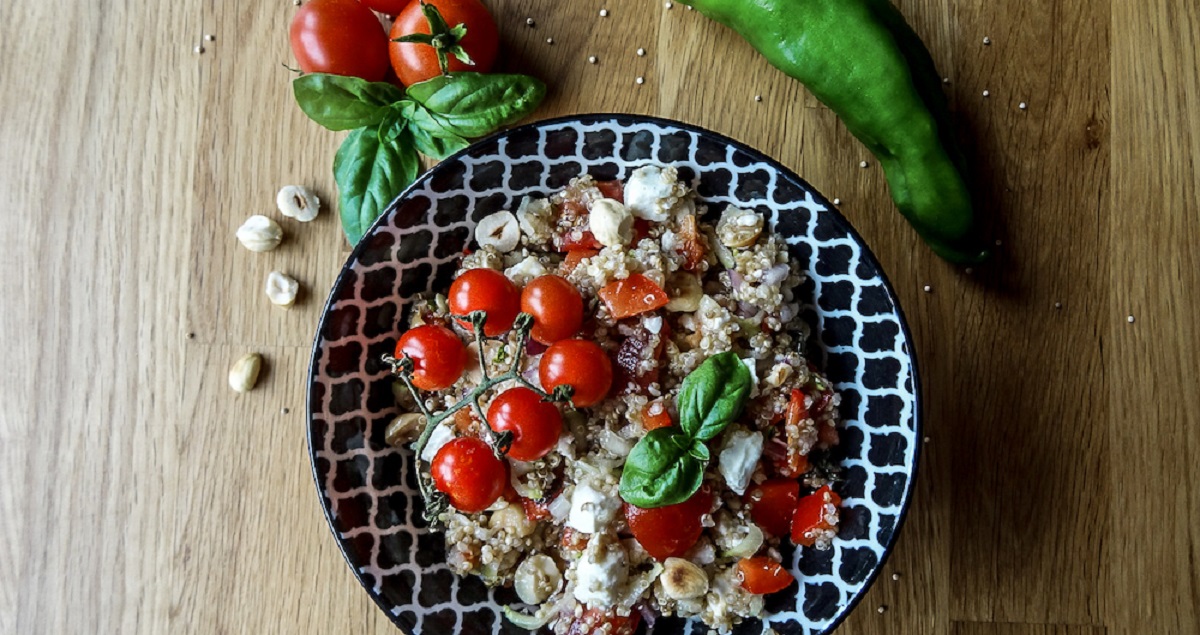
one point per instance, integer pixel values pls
(860, 339)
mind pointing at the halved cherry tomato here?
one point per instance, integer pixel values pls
(535, 424)
(666, 532)
(574, 257)
(612, 189)
(594, 620)
(641, 229)
(415, 62)
(633, 295)
(467, 471)
(655, 415)
(487, 290)
(577, 240)
(773, 505)
(341, 37)
(762, 575)
(387, 7)
(438, 356)
(581, 364)
(556, 307)
(815, 514)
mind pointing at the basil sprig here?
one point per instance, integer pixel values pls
(667, 465)
(389, 127)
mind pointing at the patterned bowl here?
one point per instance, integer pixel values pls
(368, 489)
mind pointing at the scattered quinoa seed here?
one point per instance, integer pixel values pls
(999, 242)
(882, 609)
(641, 52)
(296, 2)
(1058, 305)
(1022, 105)
(987, 41)
(895, 576)
(549, 40)
(641, 80)
(970, 271)
(210, 37)
(191, 336)
(758, 98)
(284, 410)
(928, 289)
(926, 440)
(198, 50)
(592, 59)
(945, 80)
(529, 22)
(1130, 318)
(668, 4)
(987, 93)
(863, 164)
(837, 201)
(604, 13)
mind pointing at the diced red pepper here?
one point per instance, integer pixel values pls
(641, 229)
(594, 620)
(773, 504)
(578, 240)
(762, 575)
(632, 296)
(814, 516)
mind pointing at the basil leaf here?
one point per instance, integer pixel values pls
(661, 470)
(344, 103)
(369, 174)
(429, 135)
(474, 105)
(712, 396)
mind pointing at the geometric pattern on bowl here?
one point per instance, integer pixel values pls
(860, 339)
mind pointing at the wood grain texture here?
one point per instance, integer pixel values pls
(1059, 490)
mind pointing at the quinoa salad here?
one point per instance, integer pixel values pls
(612, 411)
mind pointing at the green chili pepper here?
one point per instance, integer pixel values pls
(860, 58)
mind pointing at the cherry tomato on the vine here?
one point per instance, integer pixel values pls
(763, 575)
(556, 307)
(387, 7)
(486, 290)
(467, 471)
(438, 356)
(416, 62)
(535, 424)
(581, 364)
(666, 532)
(341, 37)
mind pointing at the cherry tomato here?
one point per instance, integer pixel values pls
(467, 471)
(415, 63)
(581, 364)
(556, 307)
(612, 189)
(763, 575)
(341, 37)
(387, 7)
(655, 415)
(633, 295)
(774, 504)
(438, 356)
(486, 290)
(666, 532)
(595, 620)
(816, 514)
(535, 424)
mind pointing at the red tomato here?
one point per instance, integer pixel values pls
(774, 504)
(575, 256)
(341, 37)
(535, 424)
(534, 511)
(576, 240)
(814, 516)
(666, 532)
(655, 415)
(581, 364)
(556, 307)
(594, 620)
(612, 189)
(467, 471)
(486, 290)
(387, 7)
(415, 63)
(763, 575)
(633, 295)
(438, 356)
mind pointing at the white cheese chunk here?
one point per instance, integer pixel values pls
(748, 362)
(651, 192)
(610, 222)
(739, 455)
(602, 571)
(440, 436)
(526, 270)
(591, 510)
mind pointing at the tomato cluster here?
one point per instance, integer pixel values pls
(346, 37)
(462, 469)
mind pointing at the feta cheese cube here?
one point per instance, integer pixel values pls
(739, 454)
(591, 510)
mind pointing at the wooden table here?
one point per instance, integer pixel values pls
(1060, 491)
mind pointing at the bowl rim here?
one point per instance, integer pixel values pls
(592, 118)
